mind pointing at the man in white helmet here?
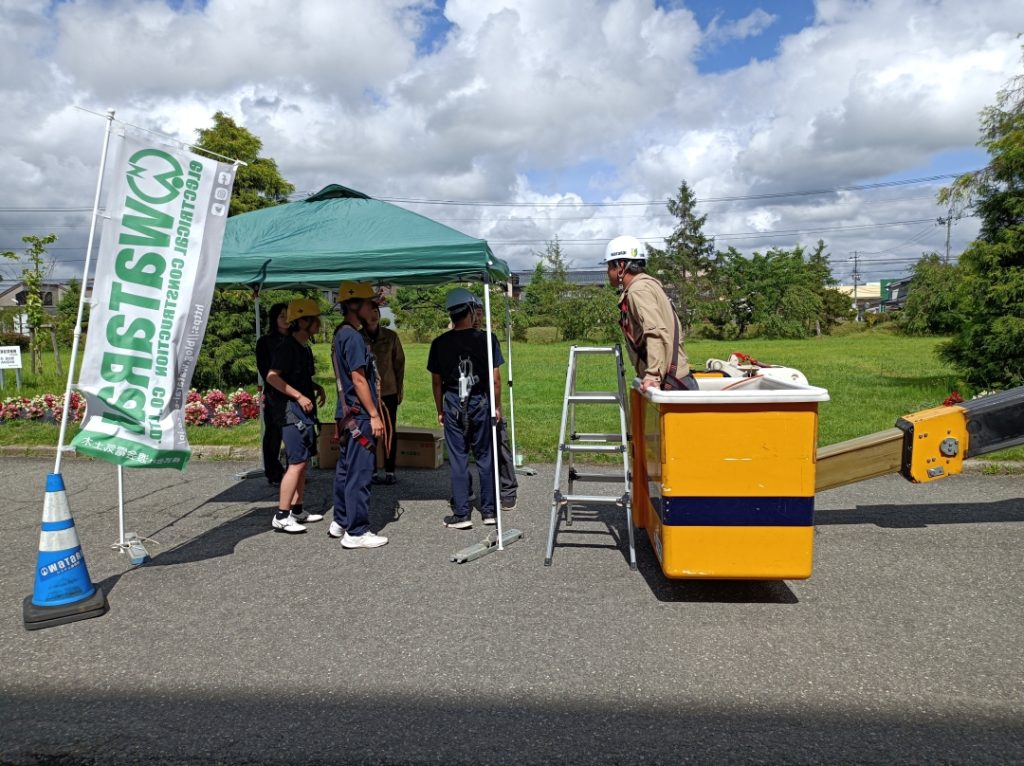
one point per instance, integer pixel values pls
(458, 366)
(653, 333)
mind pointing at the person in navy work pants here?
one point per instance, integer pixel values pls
(358, 420)
(458, 365)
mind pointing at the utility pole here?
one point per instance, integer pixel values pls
(856, 281)
(948, 222)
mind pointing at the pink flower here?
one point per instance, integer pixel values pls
(215, 398)
(194, 396)
(225, 417)
(196, 413)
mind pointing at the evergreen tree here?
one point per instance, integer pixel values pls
(988, 346)
(687, 264)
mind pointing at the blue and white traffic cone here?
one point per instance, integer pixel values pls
(63, 591)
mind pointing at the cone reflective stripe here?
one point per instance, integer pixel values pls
(63, 591)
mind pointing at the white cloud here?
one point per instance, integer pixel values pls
(751, 25)
(603, 96)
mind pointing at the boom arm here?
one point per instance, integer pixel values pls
(927, 445)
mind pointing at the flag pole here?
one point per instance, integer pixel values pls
(76, 338)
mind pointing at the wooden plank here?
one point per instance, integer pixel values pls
(865, 457)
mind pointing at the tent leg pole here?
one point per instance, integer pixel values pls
(254, 473)
(520, 469)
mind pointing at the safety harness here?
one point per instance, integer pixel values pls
(347, 421)
(669, 381)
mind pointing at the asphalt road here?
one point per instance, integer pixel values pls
(240, 645)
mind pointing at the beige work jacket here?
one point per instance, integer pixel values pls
(650, 324)
(390, 356)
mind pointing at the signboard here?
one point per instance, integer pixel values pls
(10, 357)
(155, 275)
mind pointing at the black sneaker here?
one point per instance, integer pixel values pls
(490, 521)
(458, 522)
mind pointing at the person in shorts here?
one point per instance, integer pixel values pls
(292, 394)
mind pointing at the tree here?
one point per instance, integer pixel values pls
(32, 274)
(932, 300)
(548, 287)
(421, 311)
(988, 346)
(258, 183)
(781, 294)
(67, 313)
(589, 312)
(227, 357)
(687, 264)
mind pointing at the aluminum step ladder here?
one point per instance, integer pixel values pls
(571, 443)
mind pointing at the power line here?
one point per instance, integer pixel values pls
(642, 203)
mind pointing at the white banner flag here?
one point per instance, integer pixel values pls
(155, 274)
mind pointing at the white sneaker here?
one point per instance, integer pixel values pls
(367, 540)
(288, 524)
(306, 517)
(336, 530)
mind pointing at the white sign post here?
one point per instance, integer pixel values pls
(10, 359)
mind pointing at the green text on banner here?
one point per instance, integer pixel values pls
(151, 295)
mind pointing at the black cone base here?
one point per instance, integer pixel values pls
(38, 617)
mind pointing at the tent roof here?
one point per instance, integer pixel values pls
(340, 233)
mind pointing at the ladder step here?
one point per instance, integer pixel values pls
(594, 397)
(594, 349)
(593, 447)
(608, 478)
(597, 437)
(596, 499)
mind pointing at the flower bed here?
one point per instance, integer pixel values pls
(214, 408)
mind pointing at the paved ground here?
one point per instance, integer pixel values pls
(239, 645)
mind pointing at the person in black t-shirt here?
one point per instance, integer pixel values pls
(277, 330)
(291, 404)
(458, 365)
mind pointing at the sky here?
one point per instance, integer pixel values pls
(522, 121)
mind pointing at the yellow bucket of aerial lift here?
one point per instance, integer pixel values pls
(723, 477)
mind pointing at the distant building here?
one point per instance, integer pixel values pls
(868, 298)
(894, 293)
(14, 294)
(583, 277)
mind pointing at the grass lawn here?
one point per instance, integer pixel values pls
(873, 378)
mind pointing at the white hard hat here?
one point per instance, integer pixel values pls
(460, 296)
(625, 248)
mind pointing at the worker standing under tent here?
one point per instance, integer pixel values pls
(291, 382)
(277, 331)
(653, 333)
(358, 420)
(458, 365)
(386, 347)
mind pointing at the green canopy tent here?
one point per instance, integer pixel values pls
(339, 233)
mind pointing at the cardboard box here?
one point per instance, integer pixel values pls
(327, 451)
(417, 448)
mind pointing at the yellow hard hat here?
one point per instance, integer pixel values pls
(348, 291)
(302, 307)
